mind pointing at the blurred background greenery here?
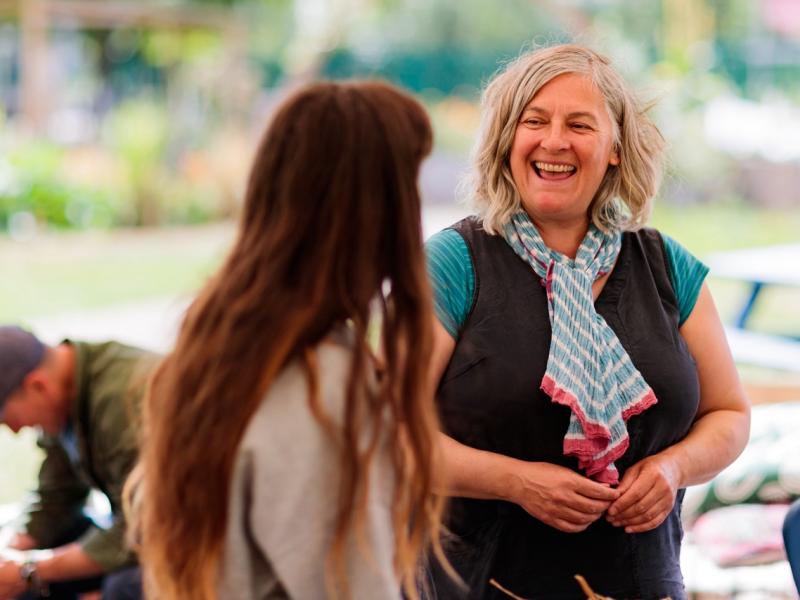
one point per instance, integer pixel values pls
(126, 127)
(119, 113)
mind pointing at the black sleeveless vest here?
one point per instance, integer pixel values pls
(489, 398)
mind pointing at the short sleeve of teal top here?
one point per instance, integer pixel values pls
(452, 277)
(686, 273)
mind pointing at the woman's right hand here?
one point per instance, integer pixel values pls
(553, 494)
(558, 496)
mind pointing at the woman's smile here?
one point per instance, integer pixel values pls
(552, 171)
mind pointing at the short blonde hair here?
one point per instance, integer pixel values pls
(623, 199)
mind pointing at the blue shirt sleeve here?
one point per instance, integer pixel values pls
(452, 278)
(686, 273)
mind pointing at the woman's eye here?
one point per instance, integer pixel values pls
(533, 122)
(581, 126)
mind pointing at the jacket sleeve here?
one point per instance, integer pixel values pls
(116, 454)
(55, 514)
(107, 547)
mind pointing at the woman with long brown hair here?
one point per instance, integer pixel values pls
(279, 459)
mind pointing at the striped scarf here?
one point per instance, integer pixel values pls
(588, 370)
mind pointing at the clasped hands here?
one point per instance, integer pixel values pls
(571, 502)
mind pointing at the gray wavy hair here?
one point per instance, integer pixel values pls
(623, 199)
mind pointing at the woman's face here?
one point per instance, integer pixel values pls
(562, 148)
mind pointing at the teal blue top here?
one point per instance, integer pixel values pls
(452, 276)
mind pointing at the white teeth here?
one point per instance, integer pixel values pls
(543, 166)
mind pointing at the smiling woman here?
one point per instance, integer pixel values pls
(584, 378)
(564, 144)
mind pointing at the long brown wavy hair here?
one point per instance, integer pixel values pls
(330, 235)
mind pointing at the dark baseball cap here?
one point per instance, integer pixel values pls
(20, 353)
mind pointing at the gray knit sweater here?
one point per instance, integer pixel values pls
(284, 495)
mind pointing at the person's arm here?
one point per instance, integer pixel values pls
(107, 546)
(61, 564)
(66, 563)
(112, 433)
(60, 496)
(553, 494)
(717, 437)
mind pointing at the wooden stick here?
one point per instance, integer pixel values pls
(504, 590)
(586, 588)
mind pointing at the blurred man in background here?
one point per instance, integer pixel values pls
(84, 399)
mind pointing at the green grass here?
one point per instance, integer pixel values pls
(76, 271)
(711, 228)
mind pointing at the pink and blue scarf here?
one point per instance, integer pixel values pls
(588, 370)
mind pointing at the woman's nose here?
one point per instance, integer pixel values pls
(555, 139)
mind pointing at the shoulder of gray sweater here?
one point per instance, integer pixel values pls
(286, 402)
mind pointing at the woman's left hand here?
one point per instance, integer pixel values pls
(648, 488)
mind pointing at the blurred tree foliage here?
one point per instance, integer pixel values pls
(176, 121)
(32, 189)
(137, 131)
(443, 47)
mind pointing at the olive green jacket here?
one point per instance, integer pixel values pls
(110, 379)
